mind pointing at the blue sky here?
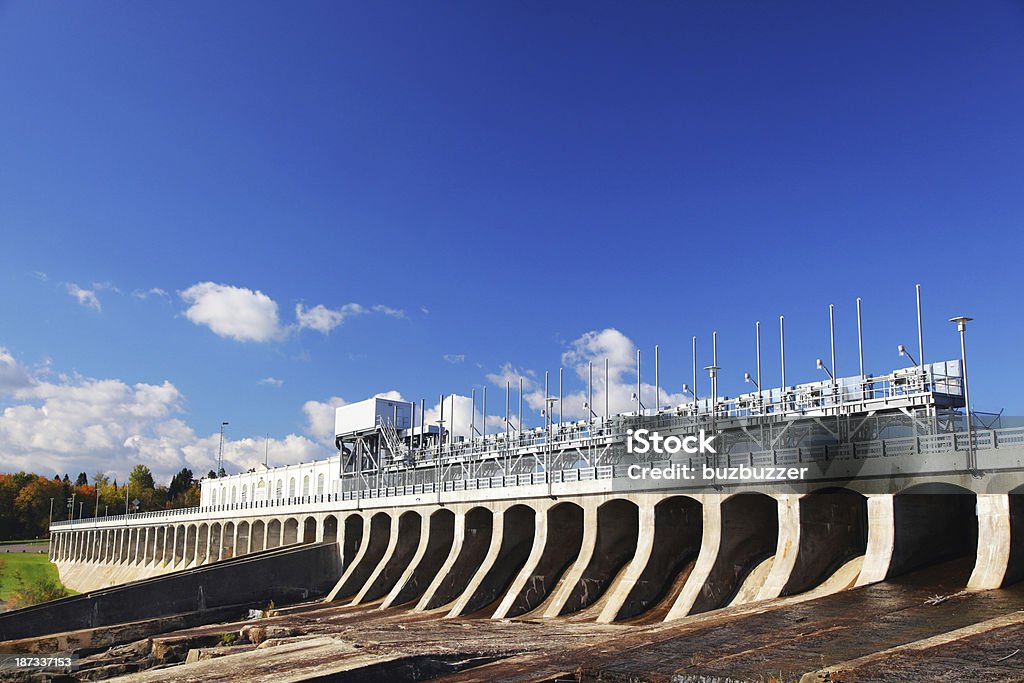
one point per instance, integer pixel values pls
(486, 182)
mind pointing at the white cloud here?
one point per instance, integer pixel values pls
(233, 312)
(320, 418)
(151, 292)
(454, 357)
(595, 346)
(323, 319)
(74, 424)
(86, 297)
(271, 381)
(12, 375)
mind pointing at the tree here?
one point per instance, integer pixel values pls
(82, 479)
(180, 482)
(140, 478)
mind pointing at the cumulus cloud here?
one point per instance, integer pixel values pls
(323, 319)
(86, 297)
(233, 312)
(12, 375)
(320, 418)
(74, 424)
(595, 347)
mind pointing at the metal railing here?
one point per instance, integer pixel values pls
(935, 444)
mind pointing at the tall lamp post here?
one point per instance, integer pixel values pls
(220, 451)
(961, 326)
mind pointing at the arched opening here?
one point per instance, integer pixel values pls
(273, 533)
(305, 486)
(833, 531)
(190, 544)
(564, 540)
(291, 531)
(750, 535)
(330, 529)
(352, 541)
(439, 545)
(257, 535)
(228, 542)
(678, 529)
(320, 484)
(215, 543)
(234, 490)
(377, 544)
(517, 529)
(409, 525)
(202, 542)
(279, 489)
(934, 523)
(243, 539)
(476, 540)
(1015, 568)
(291, 487)
(309, 530)
(618, 523)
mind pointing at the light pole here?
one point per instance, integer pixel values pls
(220, 451)
(50, 522)
(961, 326)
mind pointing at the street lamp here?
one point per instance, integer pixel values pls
(902, 350)
(748, 378)
(220, 451)
(642, 407)
(961, 326)
(821, 366)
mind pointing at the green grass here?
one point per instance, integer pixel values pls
(19, 568)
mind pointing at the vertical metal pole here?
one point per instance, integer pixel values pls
(547, 408)
(782, 349)
(451, 441)
(423, 420)
(559, 399)
(695, 376)
(832, 338)
(472, 416)
(520, 432)
(440, 436)
(757, 339)
(920, 330)
(657, 381)
(860, 340)
(714, 375)
(508, 390)
(483, 419)
(607, 390)
(590, 393)
(638, 400)
(972, 463)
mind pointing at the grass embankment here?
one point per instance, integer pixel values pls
(21, 570)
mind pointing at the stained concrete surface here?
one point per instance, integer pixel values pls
(784, 638)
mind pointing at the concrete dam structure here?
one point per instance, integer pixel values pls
(804, 490)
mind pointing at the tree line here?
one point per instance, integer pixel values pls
(28, 501)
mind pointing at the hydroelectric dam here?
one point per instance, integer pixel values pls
(795, 493)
